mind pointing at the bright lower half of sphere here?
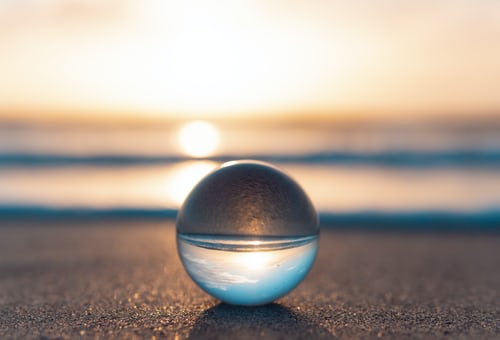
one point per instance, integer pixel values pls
(247, 271)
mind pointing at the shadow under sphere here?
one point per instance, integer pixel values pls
(268, 321)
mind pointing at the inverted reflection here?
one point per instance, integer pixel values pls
(249, 273)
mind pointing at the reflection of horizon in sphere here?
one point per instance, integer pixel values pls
(247, 233)
(248, 198)
(253, 277)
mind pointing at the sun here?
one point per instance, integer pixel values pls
(198, 139)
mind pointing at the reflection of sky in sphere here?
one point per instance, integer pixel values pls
(248, 277)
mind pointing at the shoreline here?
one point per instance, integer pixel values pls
(447, 221)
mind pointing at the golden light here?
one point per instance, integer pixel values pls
(198, 138)
(107, 59)
(163, 58)
(184, 177)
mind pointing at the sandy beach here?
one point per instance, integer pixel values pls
(123, 279)
(250, 119)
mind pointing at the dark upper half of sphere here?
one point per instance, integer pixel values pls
(248, 198)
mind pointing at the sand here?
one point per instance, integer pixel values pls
(123, 279)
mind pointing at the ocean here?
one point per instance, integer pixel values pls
(369, 176)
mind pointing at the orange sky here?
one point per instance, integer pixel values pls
(76, 59)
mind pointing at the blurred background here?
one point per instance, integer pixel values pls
(387, 113)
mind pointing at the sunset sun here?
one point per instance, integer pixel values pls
(198, 139)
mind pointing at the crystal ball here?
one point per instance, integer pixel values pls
(247, 233)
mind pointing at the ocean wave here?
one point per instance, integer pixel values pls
(384, 158)
(481, 220)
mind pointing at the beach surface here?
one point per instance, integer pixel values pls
(118, 278)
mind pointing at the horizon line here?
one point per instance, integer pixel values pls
(341, 118)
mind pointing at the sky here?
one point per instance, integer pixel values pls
(76, 59)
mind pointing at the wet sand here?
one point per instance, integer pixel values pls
(122, 279)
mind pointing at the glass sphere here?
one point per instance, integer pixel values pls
(247, 233)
